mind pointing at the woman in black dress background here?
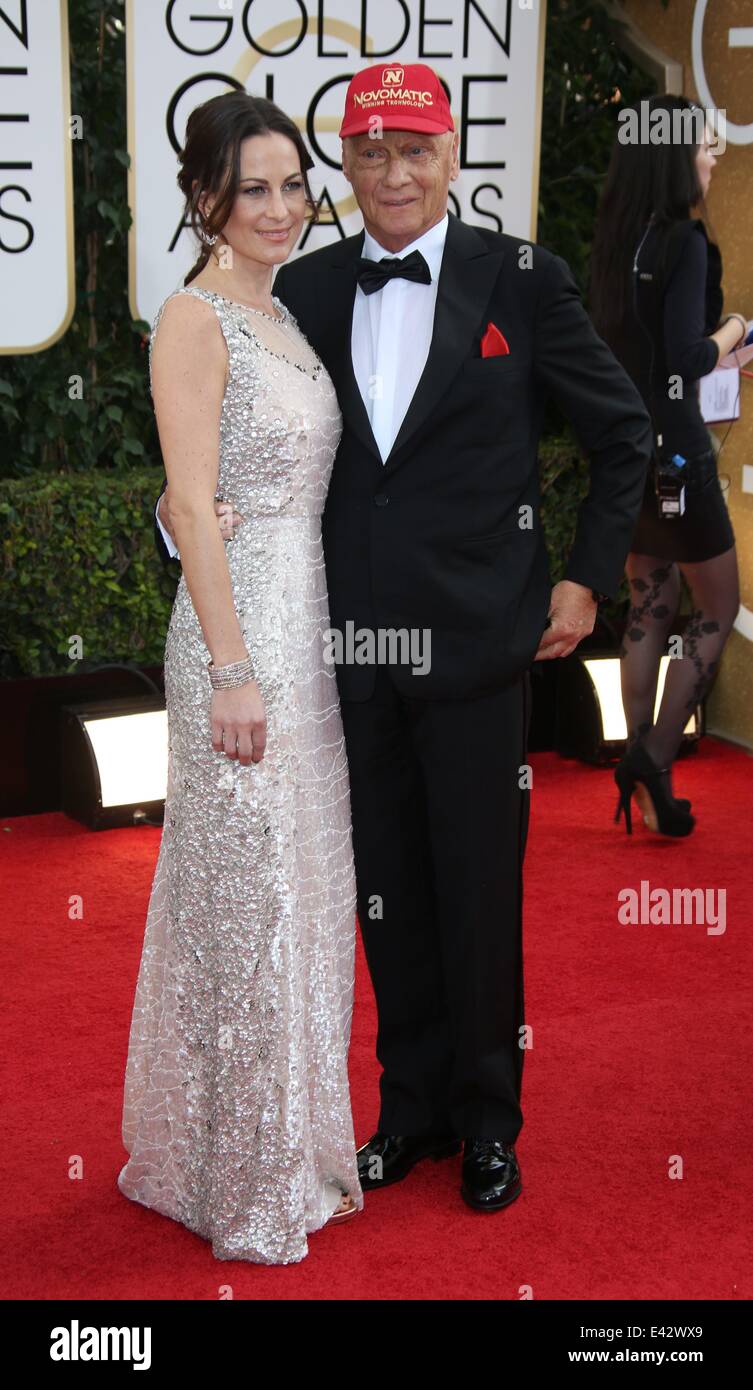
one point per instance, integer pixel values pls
(656, 299)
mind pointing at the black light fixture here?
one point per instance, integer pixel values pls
(590, 720)
(114, 761)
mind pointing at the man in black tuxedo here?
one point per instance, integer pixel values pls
(443, 341)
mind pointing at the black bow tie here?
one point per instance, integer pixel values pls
(372, 275)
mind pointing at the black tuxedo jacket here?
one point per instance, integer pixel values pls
(435, 538)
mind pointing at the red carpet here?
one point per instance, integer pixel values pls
(641, 1052)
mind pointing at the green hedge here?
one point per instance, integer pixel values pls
(79, 560)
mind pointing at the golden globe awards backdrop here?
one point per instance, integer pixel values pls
(37, 289)
(302, 54)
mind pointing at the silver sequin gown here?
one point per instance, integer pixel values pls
(236, 1112)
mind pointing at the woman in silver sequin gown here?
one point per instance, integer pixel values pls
(236, 1114)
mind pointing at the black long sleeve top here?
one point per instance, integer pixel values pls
(665, 346)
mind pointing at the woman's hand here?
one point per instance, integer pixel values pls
(239, 715)
(731, 335)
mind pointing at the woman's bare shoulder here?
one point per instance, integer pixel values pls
(186, 308)
(187, 337)
(188, 323)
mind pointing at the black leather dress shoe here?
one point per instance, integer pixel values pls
(388, 1158)
(491, 1176)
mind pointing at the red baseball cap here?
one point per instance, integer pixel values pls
(405, 96)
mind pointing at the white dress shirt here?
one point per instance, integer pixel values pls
(391, 336)
(172, 548)
(390, 340)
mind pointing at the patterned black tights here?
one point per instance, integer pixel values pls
(655, 596)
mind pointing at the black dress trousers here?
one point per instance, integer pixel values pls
(439, 829)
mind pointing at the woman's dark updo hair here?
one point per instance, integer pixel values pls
(658, 180)
(210, 161)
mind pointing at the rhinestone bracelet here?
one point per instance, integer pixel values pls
(229, 677)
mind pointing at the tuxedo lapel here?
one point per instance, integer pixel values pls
(466, 279)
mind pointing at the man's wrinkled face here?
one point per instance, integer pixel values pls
(401, 181)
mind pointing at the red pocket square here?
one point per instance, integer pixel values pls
(494, 343)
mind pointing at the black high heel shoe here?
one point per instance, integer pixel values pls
(681, 801)
(637, 774)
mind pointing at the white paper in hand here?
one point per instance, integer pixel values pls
(719, 394)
